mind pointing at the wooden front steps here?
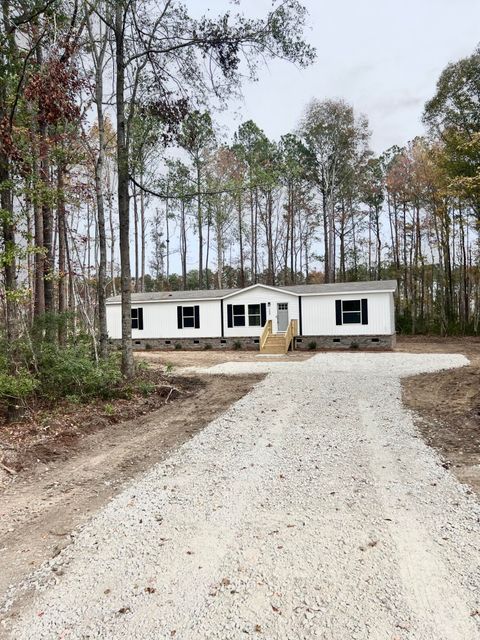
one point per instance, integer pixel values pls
(277, 343)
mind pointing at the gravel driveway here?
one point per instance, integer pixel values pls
(311, 509)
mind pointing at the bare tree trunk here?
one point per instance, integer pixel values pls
(135, 233)
(112, 248)
(128, 367)
(167, 240)
(99, 59)
(286, 246)
(326, 252)
(102, 238)
(62, 256)
(183, 244)
(219, 239)
(207, 256)
(39, 295)
(199, 225)
(379, 243)
(30, 261)
(240, 239)
(252, 232)
(47, 220)
(292, 236)
(255, 243)
(331, 238)
(142, 239)
(9, 258)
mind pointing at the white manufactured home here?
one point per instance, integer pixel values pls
(271, 319)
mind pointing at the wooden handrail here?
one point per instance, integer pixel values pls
(290, 333)
(267, 331)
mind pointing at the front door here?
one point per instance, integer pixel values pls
(282, 316)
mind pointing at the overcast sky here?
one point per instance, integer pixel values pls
(382, 56)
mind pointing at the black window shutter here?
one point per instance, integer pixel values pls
(338, 311)
(229, 315)
(263, 314)
(179, 318)
(140, 317)
(197, 316)
(364, 311)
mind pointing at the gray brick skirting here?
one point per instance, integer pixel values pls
(345, 342)
(194, 344)
(307, 343)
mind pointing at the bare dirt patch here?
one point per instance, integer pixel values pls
(44, 503)
(209, 358)
(49, 431)
(448, 403)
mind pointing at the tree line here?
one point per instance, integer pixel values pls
(92, 92)
(319, 206)
(114, 176)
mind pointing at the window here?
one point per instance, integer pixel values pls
(188, 314)
(238, 315)
(188, 317)
(351, 311)
(137, 318)
(254, 315)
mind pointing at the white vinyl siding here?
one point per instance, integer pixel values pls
(257, 296)
(319, 318)
(160, 321)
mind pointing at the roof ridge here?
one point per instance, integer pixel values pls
(194, 294)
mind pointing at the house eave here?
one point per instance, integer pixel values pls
(362, 292)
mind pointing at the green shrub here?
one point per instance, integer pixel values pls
(16, 388)
(169, 366)
(72, 371)
(148, 347)
(178, 346)
(207, 346)
(109, 409)
(312, 345)
(145, 387)
(354, 345)
(237, 345)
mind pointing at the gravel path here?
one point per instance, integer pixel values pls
(311, 509)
